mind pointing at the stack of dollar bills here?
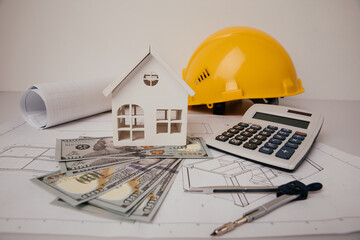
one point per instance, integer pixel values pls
(128, 183)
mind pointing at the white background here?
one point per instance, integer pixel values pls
(48, 40)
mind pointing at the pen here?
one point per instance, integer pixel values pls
(233, 189)
(254, 214)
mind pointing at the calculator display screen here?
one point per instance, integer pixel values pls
(283, 120)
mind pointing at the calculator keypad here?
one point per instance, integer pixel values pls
(267, 140)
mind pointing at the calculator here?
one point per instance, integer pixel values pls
(273, 135)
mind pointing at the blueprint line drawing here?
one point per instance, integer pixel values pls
(26, 209)
(233, 171)
(28, 158)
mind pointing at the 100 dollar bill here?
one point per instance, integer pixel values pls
(83, 187)
(84, 148)
(144, 211)
(147, 209)
(125, 196)
(86, 165)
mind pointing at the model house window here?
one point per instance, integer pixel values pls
(151, 79)
(168, 120)
(130, 122)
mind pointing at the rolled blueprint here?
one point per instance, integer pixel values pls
(49, 104)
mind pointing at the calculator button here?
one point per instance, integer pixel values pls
(251, 146)
(222, 138)
(233, 130)
(301, 133)
(241, 138)
(300, 137)
(260, 137)
(227, 134)
(271, 145)
(246, 134)
(255, 126)
(283, 133)
(272, 127)
(286, 130)
(279, 137)
(269, 130)
(255, 141)
(275, 141)
(238, 127)
(265, 133)
(294, 140)
(235, 142)
(291, 145)
(285, 152)
(242, 124)
(251, 130)
(266, 150)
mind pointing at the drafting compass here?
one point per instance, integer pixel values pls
(286, 193)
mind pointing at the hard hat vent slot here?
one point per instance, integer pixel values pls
(205, 74)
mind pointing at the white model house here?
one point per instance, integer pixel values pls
(149, 104)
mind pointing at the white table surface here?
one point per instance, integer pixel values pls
(340, 130)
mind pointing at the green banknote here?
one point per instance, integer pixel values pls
(86, 165)
(83, 187)
(84, 148)
(143, 211)
(146, 210)
(125, 196)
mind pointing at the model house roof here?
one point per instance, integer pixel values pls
(113, 85)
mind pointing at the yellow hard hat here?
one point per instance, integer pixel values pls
(240, 63)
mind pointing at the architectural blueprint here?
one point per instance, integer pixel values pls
(227, 170)
(25, 208)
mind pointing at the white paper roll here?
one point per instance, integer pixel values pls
(49, 104)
